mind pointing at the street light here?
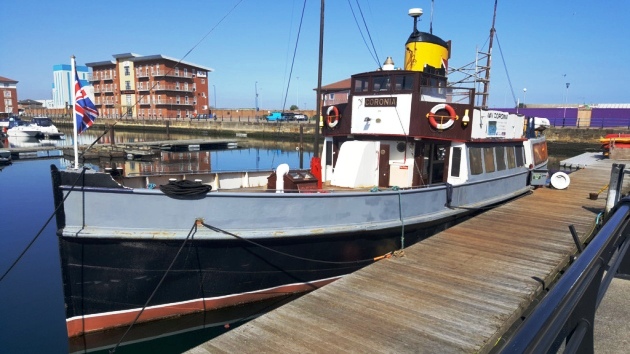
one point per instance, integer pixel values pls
(297, 102)
(256, 91)
(215, 96)
(524, 92)
(566, 96)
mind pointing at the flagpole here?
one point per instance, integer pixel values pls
(73, 75)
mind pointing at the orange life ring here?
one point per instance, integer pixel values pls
(451, 115)
(332, 119)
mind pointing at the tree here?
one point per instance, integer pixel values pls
(293, 108)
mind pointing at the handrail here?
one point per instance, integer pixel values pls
(567, 312)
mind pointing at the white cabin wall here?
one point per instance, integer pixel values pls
(357, 165)
(388, 120)
(401, 163)
(463, 167)
(496, 124)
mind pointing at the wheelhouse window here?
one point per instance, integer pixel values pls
(361, 85)
(403, 83)
(381, 83)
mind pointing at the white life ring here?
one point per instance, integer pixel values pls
(332, 119)
(452, 117)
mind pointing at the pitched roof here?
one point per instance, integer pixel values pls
(6, 79)
(338, 86)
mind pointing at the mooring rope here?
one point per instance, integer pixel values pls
(43, 227)
(213, 228)
(191, 233)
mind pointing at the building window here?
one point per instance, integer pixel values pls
(203, 81)
(126, 70)
(176, 71)
(127, 85)
(185, 72)
(177, 100)
(7, 93)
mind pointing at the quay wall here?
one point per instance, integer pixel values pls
(291, 130)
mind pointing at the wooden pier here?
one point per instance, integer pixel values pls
(122, 150)
(459, 291)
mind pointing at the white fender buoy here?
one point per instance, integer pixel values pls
(560, 180)
(281, 170)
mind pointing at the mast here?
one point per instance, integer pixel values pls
(486, 82)
(75, 143)
(319, 80)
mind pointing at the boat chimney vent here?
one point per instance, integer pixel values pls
(388, 64)
(425, 52)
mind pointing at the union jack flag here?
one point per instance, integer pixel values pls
(86, 111)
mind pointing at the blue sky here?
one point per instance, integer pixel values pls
(250, 43)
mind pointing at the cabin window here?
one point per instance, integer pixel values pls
(474, 155)
(520, 157)
(404, 83)
(381, 83)
(540, 153)
(511, 157)
(488, 159)
(456, 161)
(361, 85)
(500, 153)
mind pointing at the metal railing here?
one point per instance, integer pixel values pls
(567, 313)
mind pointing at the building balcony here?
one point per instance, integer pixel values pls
(142, 75)
(173, 103)
(172, 73)
(143, 87)
(145, 102)
(171, 88)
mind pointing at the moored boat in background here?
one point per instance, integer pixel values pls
(46, 128)
(406, 156)
(5, 157)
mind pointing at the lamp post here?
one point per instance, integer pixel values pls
(215, 100)
(566, 97)
(256, 91)
(524, 92)
(297, 100)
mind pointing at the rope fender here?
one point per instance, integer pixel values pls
(185, 189)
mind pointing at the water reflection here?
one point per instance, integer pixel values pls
(27, 142)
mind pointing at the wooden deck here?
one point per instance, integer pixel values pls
(458, 291)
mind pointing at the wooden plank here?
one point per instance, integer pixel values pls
(457, 291)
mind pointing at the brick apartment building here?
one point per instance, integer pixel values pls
(9, 101)
(149, 87)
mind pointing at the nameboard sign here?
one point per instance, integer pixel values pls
(381, 102)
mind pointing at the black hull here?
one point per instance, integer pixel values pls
(107, 282)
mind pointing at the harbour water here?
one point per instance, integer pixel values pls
(31, 295)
